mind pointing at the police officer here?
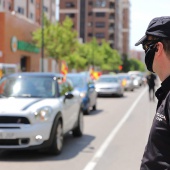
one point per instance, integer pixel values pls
(156, 43)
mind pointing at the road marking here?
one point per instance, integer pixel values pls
(91, 165)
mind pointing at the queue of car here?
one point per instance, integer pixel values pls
(38, 109)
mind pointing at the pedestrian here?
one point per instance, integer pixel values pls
(151, 78)
(156, 43)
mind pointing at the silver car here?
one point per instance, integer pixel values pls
(127, 81)
(109, 85)
(37, 109)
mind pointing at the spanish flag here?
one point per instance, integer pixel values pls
(64, 70)
(94, 74)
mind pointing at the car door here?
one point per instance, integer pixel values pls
(68, 106)
(92, 93)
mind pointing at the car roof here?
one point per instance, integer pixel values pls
(45, 74)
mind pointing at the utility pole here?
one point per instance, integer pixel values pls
(42, 36)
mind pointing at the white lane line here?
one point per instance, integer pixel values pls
(91, 165)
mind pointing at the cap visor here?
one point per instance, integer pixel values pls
(141, 40)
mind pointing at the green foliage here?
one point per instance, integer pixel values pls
(136, 65)
(59, 39)
(61, 43)
(111, 58)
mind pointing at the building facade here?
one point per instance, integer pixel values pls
(18, 20)
(102, 19)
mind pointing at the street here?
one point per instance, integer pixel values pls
(114, 138)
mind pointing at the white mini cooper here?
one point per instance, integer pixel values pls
(36, 110)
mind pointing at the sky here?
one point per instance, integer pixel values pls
(141, 13)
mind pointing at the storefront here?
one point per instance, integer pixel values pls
(16, 46)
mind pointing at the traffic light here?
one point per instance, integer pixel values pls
(120, 67)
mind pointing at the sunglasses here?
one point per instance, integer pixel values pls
(149, 44)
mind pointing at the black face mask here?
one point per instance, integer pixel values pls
(149, 57)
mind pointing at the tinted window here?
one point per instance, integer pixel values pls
(77, 81)
(108, 80)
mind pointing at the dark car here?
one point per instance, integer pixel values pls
(86, 87)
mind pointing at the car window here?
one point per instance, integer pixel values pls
(108, 79)
(65, 87)
(77, 81)
(27, 86)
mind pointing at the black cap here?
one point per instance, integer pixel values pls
(158, 27)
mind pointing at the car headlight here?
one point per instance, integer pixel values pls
(43, 113)
(82, 94)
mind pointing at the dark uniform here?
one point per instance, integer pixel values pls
(157, 151)
(151, 84)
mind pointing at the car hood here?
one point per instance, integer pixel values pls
(20, 104)
(106, 85)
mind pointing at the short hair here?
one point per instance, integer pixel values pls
(166, 44)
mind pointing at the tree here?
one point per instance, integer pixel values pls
(111, 58)
(60, 40)
(136, 65)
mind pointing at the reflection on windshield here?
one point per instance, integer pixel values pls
(27, 87)
(107, 80)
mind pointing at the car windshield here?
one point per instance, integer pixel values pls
(107, 80)
(20, 86)
(124, 77)
(77, 81)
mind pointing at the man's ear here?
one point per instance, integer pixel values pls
(159, 47)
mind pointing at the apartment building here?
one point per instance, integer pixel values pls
(18, 19)
(102, 19)
(71, 8)
(126, 27)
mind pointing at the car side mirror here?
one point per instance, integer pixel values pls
(68, 95)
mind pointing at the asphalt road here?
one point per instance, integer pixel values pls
(114, 139)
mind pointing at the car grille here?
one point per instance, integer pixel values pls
(13, 120)
(14, 142)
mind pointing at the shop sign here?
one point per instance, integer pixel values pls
(14, 44)
(23, 46)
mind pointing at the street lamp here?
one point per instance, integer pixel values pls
(42, 36)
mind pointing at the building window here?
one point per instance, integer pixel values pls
(100, 14)
(90, 34)
(101, 3)
(70, 15)
(45, 9)
(90, 2)
(90, 13)
(20, 10)
(90, 24)
(31, 15)
(70, 5)
(100, 24)
(100, 35)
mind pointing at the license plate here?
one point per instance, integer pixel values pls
(6, 135)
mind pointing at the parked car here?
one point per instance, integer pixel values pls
(37, 109)
(127, 81)
(109, 85)
(137, 78)
(86, 87)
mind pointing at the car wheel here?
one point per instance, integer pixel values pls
(78, 130)
(57, 143)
